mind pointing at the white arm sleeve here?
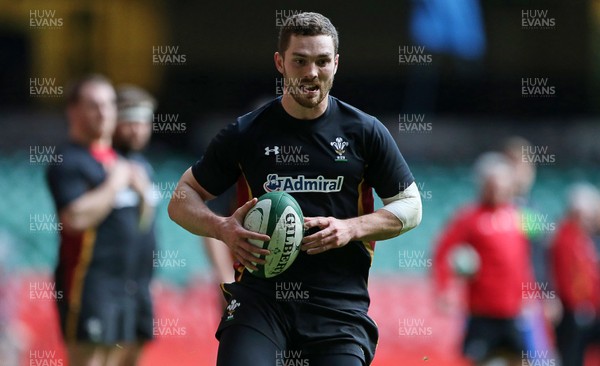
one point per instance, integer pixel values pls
(406, 206)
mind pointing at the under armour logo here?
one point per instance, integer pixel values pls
(274, 150)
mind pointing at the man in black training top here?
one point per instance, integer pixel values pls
(329, 156)
(135, 108)
(97, 194)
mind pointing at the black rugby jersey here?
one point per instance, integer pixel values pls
(104, 252)
(329, 165)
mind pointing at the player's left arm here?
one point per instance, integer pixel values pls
(400, 214)
(387, 172)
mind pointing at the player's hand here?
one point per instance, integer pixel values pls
(139, 180)
(334, 234)
(236, 237)
(119, 175)
(140, 183)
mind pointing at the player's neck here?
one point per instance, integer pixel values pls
(85, 140)
(299, 112)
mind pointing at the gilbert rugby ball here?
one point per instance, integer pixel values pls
(465, 261)
(278, 215)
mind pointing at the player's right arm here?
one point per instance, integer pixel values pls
(456, 232)
(453, 234)
(94, 206)
(187, 208)
(79, 207)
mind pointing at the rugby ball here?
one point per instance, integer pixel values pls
(465, 261)
(278, 215)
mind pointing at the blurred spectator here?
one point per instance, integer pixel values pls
(491, 227)
(537, 329)
(134, 128)
(515, 148)
(100, 223)
(576, 273)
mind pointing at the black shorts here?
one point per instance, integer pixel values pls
(301, 323)
(108, 311)
(486, 336)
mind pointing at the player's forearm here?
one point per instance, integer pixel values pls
(441, 268)
(379, 225)
(188, 210)
(90, 209)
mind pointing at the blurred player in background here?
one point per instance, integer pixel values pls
(524, 171)
(345, 145)
(576, 273)
(491, 227)
(135, 108)
(537, 327)
(91, 192)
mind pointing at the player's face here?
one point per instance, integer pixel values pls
(498, 187)
(96, 111)
(133, 135)
(308, 67)
(524, 172)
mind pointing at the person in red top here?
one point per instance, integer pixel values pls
(491, 227)
(576, 276)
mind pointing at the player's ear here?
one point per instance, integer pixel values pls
(335, 63)
(278, 62)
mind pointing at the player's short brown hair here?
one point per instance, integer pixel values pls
(306, 24)
(74, 89)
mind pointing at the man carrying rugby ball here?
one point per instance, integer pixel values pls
(346, 153)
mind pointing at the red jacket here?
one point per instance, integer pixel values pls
(496, 289)
(574, 266)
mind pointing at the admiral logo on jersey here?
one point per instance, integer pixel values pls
(301, 184)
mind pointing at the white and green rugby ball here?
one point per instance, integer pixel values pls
(278, 215)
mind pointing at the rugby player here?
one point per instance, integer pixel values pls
(492, 228)
(574, 264)
(135, 108)
(90, 189)
(346, 153)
